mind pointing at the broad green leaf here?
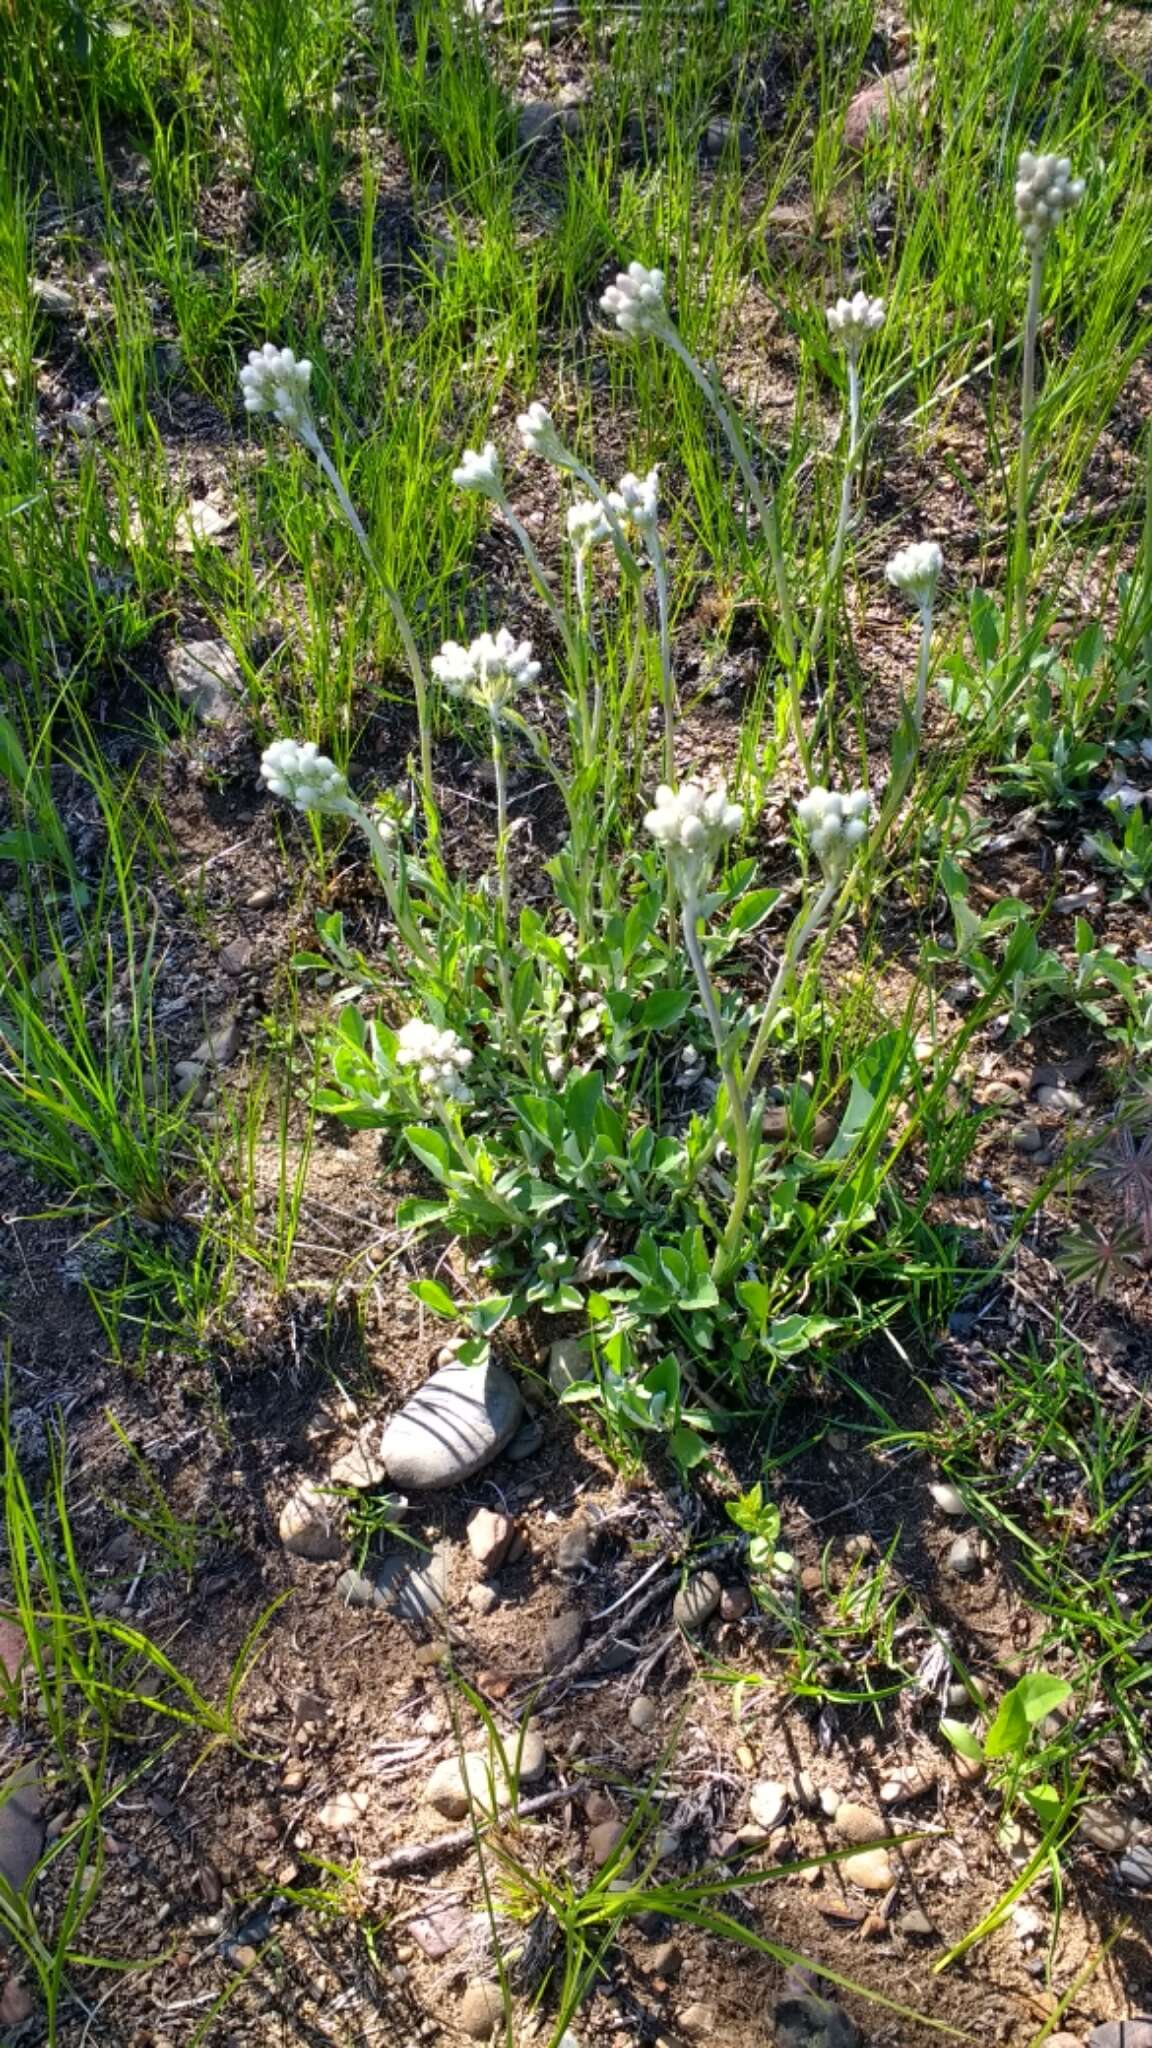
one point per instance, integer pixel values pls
(663, 1008)
(752, 910)
(963, 1740)
(431, 1148)
(435, 1297)
(1029, 1701)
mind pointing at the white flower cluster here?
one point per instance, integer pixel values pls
(480, 471)
(1045, 192)
(538, 433)
(305, 776)
(490, 670)
(853, 320)
(636, 300)
(273, 381)
(692, 824)
(587, 526)
(636, 503)
(915, 572)
(439, 1058)
(835, 826)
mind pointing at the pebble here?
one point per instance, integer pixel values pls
(969, 1769)
(205, 675)
(1133, 2033)
(527, 1756)
(809, 2021)
(481, 2011)
(308, 1525)
(1028, 1137)
(696, 1602)
(568, 1361)
(911, 1784)
(361, 1466)
(482, 1599)
(455, 1424)
(1105, 1826)
(1059, 1101)
(447, 1790)
(576, 1545)
(871, 111)
(720, 133)
(871, 1870)
(666, 1959)
(343, 1812)
(697, 2021)
(53, 299)
(643, 1713)
(856, 1823)
(915, 1922)
(830, 1801)
(562, 1638)
(1063, 2041)
(527, 1440)
(604, 1840)
(947, 1499)
(806, 1793)
(355, 1589)
(261, 899)
(735, 1603)
(1136, 1867)
(490, 1535)
(963, 1559)
(414, 1586)
(768, 1803)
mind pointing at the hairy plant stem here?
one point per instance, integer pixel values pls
(659, 563)
(844, 514)
(914, 713)
(729, 1068)
(392, 599)
(504, 936)
(803, 931)
(766, 512)
(1023, 553)
(395, 888)
(575, 644)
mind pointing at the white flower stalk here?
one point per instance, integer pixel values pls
(853, 320)
(1045, 192)
(692, 824)
(586, 527)
(274, 381)
(491, 671)
(537, 430)
(637, 304)
(307, 778)
(480, 471)
(636, 503)
(438, 1060)
(835, 826)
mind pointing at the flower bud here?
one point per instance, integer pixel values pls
(306, 777)
(915, 571)
(273, 381)
(692, 825)
(538, 433)
(853, 320)
(835, 826)
(480, 472)
(636, 300)
(490, 671)
(1045, 192)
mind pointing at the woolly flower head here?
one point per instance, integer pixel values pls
(480, 471)
(490, 670)
(1045, 192)
(692, 824)
(915, 571)
(305, 776)
(273, 381)
(636, 501)
(586, 524)
(538, 433)
(853, 320)
(834, 826)
(439, 1058)
(636, 300)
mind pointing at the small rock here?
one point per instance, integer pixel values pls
(236, 956)
(1028, 1137)
(735, 1603)
(526, 1442)
(205, 675)
(871, 111)
(354, 1589)
(666, 1959)
(527, 1756)
(969, 1769)
(768, 1803)
(458, 1783)
(540, 120)
(856, 1823)
(309, 1525)
(830, 1801)
(1059, 1101)
(53, 299)
(963, 1559)
(362, 1466)
(455, 1424)
(482, 1599)
(79, 423)
(1136, 1867)
(697, 2021)
(16, 2003)
(481, 2011)
(576, 1545)
(568, 1361)
(191, 1080)
(643, 1713)
(1063, 2041)
(261, 899)
(1133, 2033)
(722, 131)
(440, 1928)
(598, 1807)
(871, 1870)
(242, 1956)
(562, 1638)
(696, 1602)
(806, 1792)
(917, 1923)
(947, 1499)
(1105, 1826)
(909, 1784)
(412, 1585)
(604, 1840)
(490, 1536)
(343, 1812)
(808, 2021)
